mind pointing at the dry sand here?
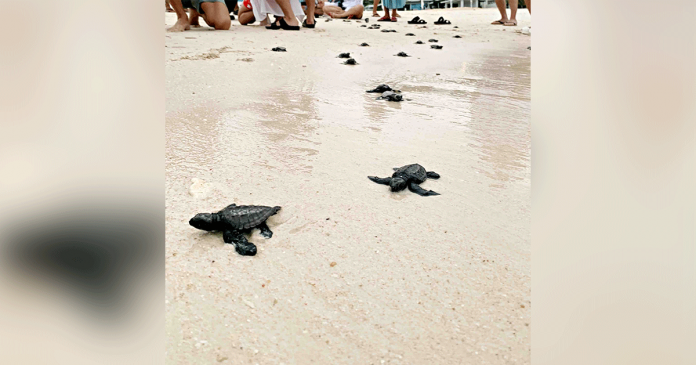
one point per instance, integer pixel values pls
(416, 280)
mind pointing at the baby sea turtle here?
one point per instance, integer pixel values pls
(419, 42)
(457, 36)
(234, 221)
(279, 49)
(391, 96)
(408, 176)
(367, 20)
(529, 48)
(380, 89)
(410, 35)
(402, 54)
(363, 44)
(363, 26)
(432, 40)
(350, 61)
(435, 46)
(344, 55)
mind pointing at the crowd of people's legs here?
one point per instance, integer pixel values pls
(288, 13)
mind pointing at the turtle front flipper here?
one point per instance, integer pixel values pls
(420, 191)
(432, 175)
(383, 181)
(265, 231)
(241, 245)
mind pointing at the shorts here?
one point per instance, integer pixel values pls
(246, 4)
(336, 4)
(196, 4)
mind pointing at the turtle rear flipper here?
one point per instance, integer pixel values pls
(241, 245)
(265, 231)
(432, 175)
(420, 191)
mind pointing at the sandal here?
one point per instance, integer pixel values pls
(375, 15)
(498, 22)
(310, 26)
(286, 26)
(393, 19)
(417, 20)
(442, 21)
(510, 23)
(273, 25)
(384, 19)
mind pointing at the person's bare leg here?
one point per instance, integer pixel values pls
(356, 12)
(386, 12)
(394, 13)
(374, 8)
(288, 15)
(503, 13)
(216, 15)
(193, 18)
(529, 5)
(513, 13)
(332, 10)
(245, 16)
(311, 8)
(182, 22)
(168, 7)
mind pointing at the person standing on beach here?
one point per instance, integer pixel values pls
(374, 10)
(512, 21)
(391, 4)
(214, 12)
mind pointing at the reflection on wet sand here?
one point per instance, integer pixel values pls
(500, 111)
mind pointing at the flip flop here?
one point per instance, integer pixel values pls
(498, 22)
(510, 24)
(393, 19)
(442, 21)
(375, 15)
(310, 26)
(286, 26)
(384, 19)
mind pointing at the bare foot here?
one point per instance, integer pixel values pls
(310, 19)
(264, 22)
(292, 21)
(181, 25)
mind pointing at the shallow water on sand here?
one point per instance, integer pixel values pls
(415, 275)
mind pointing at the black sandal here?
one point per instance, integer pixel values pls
(417, 20)
(286, 26)
(310, 26)
(273, 25)
(442, 21)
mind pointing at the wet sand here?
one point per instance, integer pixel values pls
(416, 280)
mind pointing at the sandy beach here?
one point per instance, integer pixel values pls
(354, 274)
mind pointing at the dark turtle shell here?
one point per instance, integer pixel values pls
(413, 172)
(391, 96)
(380, 89)
(240, 217)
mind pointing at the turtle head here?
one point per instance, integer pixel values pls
(397, 184)
(204, 221)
